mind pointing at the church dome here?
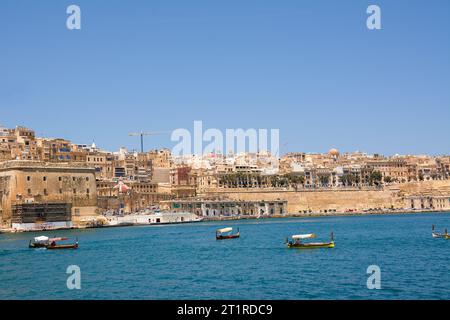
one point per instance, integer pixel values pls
(333, 152)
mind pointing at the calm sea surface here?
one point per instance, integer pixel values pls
(186, 262)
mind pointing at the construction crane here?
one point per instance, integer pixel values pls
(142, 134)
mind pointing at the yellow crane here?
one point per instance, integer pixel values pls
(142, 134)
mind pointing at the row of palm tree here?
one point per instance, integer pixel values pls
(373, 179)
(245, 180)
(249, 180)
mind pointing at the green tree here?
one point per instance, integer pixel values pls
(324, 180)
(348, 179)
(388, 179)
(375, 178)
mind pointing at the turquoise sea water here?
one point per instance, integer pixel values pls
(186, 262)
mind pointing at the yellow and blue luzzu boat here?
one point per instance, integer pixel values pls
(297, 242)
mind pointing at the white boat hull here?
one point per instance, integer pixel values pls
(154, 219)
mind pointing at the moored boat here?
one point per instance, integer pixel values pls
(225, 233)
(297, 242)
(444, 235)
(158, 218)
(43, 241)
(53, 245)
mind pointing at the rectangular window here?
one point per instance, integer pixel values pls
(29, 192)
(74, 191)
(44, 178)
(60, 191)
(28, 178)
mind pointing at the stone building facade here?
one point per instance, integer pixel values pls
(227, 207)
(427, 202)
(133, 196)
(49, 191)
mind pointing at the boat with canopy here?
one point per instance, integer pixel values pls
(297, 242)
(54, 244)
(51, 243)
(226, 233)
(43, 241)
(444, 235)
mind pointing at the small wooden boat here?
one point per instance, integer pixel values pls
(43, 241)
(297, 242)
(444, 235)
(53, 245)
(225, 233)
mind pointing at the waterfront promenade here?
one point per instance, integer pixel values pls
(130, 223)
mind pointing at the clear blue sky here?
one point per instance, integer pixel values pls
(310, 68)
